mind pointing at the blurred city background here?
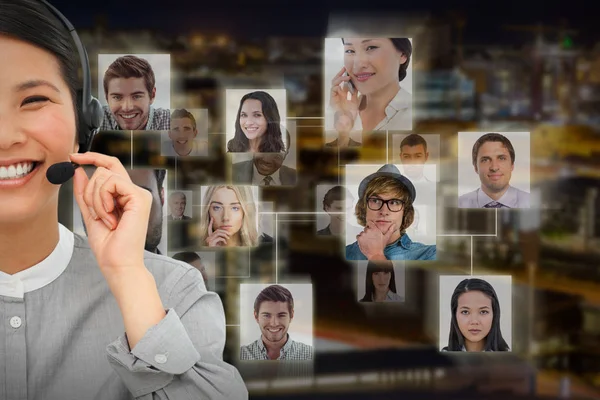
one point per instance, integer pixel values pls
(530, 73)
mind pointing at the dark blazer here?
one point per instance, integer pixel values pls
(242, 173)
(351, 143)
(170, 217)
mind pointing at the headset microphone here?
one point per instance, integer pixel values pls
(61, 172)
(89, 109)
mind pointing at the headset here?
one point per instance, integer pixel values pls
(89, 109)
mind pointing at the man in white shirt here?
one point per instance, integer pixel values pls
(494, 160)
(413, 156)
(334, 204)
(183, 135)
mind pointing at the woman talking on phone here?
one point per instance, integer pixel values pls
(96, 318)
(369, 85)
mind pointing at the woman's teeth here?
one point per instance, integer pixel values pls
(16, 171)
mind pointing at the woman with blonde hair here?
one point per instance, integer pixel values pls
(228, 217)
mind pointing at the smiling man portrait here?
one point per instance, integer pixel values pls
(493, 158)
(274, 312)
(130, 90)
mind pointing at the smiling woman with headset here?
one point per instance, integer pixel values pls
(95, 318)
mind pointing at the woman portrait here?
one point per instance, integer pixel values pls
(257, 125)
(370, 85)
(475, 318)
(343, 122)
(229, 217)
(118, 322)
(380, 283)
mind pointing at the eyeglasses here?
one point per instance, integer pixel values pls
(394, 205)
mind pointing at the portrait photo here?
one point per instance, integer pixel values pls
(135, 91)
(385, 205)
(229, 216)
(413, 152)
(494, 170)
(255, 120)
(331, 202)
(380, 281)
(475, 313)
(361, 75)
(276, 322)
(268, 169)
(188, 136)
(180, 205)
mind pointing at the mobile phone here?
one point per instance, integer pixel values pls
(350, 84)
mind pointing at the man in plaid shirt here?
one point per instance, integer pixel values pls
(274, 311)
(129, 87)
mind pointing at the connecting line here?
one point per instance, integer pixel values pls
(175, 173)
(471, 255)
(481, 235)
(232, 325)
(387, 147)
(305, 118)
(131, 133)
(300, 212)
(339, 167)
(276, 249)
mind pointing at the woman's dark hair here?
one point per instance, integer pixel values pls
(404, 46)
(494, 340)
(272, 141)
(380, 266)
(31, 21)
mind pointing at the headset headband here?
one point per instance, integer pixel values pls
(83, 56)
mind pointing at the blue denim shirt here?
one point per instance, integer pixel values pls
(401, 249)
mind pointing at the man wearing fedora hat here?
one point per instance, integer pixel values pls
(385, 209)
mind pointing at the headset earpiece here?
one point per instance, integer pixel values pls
(90, 117)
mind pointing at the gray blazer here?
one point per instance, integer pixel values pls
(242, 173)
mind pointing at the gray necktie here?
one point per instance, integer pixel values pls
(267, 180)
(494, 204)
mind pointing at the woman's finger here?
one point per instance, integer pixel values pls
(215, 242)
(130, 196)
(112, 164)
(340, 73)
(89, 192)
(99, 201)
(80, 182)
(337, 81)
(219, 234)
(111, 208)
(210, 226)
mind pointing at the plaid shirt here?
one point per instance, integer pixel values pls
(159, 119)
(290, 351)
